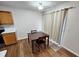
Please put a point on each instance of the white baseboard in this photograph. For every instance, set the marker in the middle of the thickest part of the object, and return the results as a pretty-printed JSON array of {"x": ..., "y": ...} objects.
[
  {"x": 70, "y": 51},
  {"x": 21, "y": 38}
]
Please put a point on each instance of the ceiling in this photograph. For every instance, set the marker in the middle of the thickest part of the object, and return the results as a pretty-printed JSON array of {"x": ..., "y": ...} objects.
[{"x": 32, "y": 5}]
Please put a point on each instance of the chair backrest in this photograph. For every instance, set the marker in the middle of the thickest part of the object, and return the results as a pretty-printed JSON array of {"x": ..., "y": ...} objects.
[
  {"x": 33, "y": 31},
  {"x": 41, "y": 40}
]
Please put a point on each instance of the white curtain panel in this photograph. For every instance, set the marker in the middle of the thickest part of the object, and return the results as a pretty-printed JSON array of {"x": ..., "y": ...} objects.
[
  {"x": 53, "y": 24},
  {"x": 47, "y": 23},
  {"x": 63, "y": 20}
]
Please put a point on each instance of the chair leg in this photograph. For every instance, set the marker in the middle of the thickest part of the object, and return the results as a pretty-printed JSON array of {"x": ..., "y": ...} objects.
[
  {"x": 45, "y": 45},
  {"x": 38, "y": 47}
]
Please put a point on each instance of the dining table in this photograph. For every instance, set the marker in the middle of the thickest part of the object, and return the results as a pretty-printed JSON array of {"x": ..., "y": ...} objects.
[{"x": 32, "y": 37}]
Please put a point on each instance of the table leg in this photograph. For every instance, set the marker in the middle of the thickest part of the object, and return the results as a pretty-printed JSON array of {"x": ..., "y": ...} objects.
[
  {"x": 32, "y": 46},
  {"x": 48, "y": 41}
]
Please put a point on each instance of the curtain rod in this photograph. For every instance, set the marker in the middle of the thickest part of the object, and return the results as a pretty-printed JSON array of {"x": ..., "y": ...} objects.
[
  {"x": 65, "y": 9},
  {"x": 60, "y": 10}
]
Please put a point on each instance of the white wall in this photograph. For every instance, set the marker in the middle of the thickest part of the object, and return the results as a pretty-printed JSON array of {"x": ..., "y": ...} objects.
[
  {"x": 24, "y": 20},
  {"x": 70, "y": 39}
]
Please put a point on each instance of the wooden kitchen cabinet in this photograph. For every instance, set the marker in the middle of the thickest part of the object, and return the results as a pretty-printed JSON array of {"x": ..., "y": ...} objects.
[
  {"x": 9, "y": 38},
  {"x": 6, "y": 18}
]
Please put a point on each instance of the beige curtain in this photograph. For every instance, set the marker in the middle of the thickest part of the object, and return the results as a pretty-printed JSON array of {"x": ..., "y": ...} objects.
[
  {"x": 63, "y": 19},
  {"x": 56, "y": 27},
  {"x": 53, "y": 24},
  {"x": 47, "y": 23}
]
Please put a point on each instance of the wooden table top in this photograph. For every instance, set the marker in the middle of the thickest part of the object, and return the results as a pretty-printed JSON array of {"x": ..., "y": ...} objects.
[{"x": 34, "y": 36}]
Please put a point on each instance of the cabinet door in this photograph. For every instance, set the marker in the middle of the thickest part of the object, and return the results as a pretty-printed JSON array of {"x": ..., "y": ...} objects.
[
  {"x": 6, "y": 18},
  {"x": 0, "y": 17},
  {"x": 9, "y": 38}
]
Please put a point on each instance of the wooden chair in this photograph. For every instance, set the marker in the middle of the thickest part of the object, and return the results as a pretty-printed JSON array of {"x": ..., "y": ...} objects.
[
  {"x": 41, "y": 43},
  {"x": 33, "y": 31}
]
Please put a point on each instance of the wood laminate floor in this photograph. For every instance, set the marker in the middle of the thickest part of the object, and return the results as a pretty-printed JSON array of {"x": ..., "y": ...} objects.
[{"x": 22, "y": 49}]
